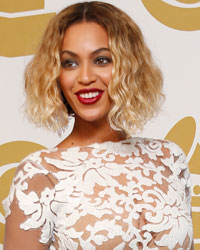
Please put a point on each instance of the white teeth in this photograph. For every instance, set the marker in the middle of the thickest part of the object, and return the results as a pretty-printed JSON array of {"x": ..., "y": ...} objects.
[{"x": 89, "y": 95}]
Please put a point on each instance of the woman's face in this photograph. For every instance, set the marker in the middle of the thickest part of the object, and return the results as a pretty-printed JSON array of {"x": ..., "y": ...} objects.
[{"x": 86, "y": 70}]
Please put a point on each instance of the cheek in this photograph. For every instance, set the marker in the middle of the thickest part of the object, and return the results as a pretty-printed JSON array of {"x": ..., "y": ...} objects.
[
  {"x": 106, "y": 76},
  {"x": 66, "y": 80}
]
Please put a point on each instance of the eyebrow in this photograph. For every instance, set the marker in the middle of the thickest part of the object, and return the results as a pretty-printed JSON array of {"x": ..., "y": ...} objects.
[{"x": 93, "y": 53}]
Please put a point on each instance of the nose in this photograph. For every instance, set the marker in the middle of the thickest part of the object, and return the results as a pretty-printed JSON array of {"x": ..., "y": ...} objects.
[{"x": 86, "y": 74}]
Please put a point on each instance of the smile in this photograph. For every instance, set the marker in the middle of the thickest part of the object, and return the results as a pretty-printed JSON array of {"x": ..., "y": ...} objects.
[{"x": 89, "y": 96}]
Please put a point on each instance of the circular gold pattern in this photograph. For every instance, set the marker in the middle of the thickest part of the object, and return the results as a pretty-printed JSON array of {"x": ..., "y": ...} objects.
[
  {"x": 188, "y": 1},
  {"x": 196, "y": 189},
  {"x": 186, "y": 19}
]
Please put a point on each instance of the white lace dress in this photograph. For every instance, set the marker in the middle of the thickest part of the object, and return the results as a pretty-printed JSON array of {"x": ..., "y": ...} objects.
[{"x": 133, "y": 194}]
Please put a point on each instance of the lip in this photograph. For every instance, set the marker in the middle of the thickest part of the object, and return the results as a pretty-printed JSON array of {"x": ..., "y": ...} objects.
[{"x": 89, "y": 100}]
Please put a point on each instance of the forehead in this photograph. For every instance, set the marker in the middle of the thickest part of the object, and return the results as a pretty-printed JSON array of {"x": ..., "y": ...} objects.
[{"x": 85, "y": 35}]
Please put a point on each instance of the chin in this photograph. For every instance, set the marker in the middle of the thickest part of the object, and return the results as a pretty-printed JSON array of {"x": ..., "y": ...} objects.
[{"x": 93, "y": 117}]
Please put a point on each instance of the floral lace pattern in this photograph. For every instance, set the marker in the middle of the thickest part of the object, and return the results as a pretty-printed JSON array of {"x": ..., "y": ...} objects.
[{"x": 134, "y": 194}]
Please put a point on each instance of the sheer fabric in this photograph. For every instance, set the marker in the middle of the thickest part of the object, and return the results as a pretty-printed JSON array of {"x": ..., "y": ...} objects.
[{"x": 133, "y": 194}]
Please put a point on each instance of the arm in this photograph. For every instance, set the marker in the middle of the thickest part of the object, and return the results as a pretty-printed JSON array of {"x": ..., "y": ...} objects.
[
  {"x": 28, "y": 219},
  {"x": 181, "y": 170},
  {"x": 18, "y": 239}
]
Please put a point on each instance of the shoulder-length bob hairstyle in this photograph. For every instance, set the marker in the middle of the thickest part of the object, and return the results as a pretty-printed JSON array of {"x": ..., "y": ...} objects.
[{"x": 136, "y": 87}]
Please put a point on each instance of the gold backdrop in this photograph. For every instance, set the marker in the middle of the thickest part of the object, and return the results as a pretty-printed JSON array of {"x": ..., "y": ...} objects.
[{"x": 19, "y": 37}]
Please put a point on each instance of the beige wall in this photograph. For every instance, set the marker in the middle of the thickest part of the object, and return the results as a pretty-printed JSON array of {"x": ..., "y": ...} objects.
[{"x": 172, "y": 31}]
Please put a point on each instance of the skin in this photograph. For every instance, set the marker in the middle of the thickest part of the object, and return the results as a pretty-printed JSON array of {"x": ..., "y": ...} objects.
[
  {"x": 86, "y": 63},
  {"x": 16, "y": 239}
]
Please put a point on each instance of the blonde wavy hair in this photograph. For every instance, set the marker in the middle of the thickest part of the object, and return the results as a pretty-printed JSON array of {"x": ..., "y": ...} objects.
[{"x": 136, "y": 87}]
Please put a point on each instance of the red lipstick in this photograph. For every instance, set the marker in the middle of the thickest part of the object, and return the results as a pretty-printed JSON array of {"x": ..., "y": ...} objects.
[{"x": 89, "y": 96}]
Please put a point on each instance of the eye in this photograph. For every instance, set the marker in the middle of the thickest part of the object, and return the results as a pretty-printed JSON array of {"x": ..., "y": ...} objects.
[
  {"x": 102, "y": 60},
  {"x": 69, "y": 64}
]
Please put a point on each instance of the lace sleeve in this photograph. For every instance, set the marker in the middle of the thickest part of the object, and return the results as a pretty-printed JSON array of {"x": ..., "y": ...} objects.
[
  {"x": 186, "y": 177},
  {"x": 182, "y": 183},
  {"x": 181, "y": 170},
  {"x": 29, "y": 221}
]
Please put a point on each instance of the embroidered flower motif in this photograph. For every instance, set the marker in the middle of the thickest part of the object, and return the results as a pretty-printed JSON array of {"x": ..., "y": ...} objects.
[
  {"x": 73, "y": 156},
  {"x": 99, "y": 194},
  {"x": 93, "y": 163},
  {"x": 152, "y": 148},
  {"x": 47, "y": 196},
  {"x": 25, "y": 171},
  {"x": 171, "y": 214},
  {"x": 96, "y": 172},
  {"x": 69, "y": 159},
  {"x": 36, "y": 156},
  {"x": 124, "y": 148}
]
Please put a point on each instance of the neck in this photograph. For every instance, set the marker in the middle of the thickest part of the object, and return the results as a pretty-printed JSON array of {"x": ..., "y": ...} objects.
[{"x": 86, "y": 133}]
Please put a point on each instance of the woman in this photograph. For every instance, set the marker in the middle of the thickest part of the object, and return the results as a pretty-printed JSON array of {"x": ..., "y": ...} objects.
[{"x": 99, "y": 188}]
